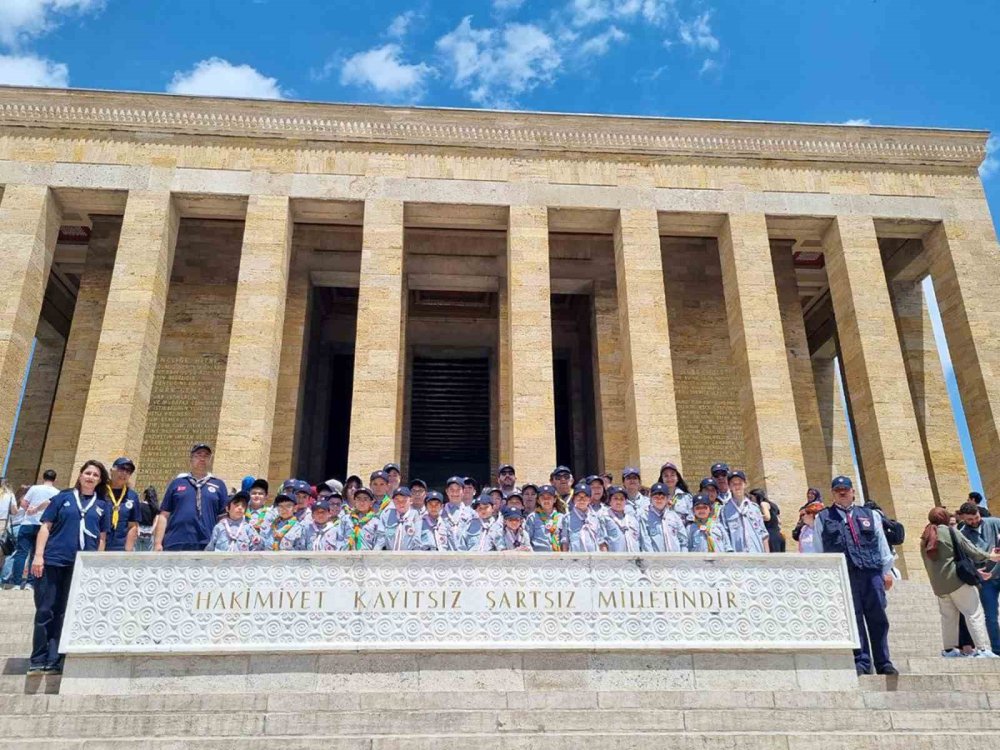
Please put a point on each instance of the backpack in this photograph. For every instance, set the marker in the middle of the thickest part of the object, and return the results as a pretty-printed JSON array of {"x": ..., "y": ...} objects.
[{"x": 894, "y": 531}]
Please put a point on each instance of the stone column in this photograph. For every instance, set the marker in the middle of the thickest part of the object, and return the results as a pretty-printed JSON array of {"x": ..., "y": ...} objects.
[
  {"x": 770, "y": 427},
  {"x": 288, "y": 399},
  {"x": 246, "y": 417},
  {"x": 376, "y": 406},
  {"x": 81, "y": 347},
  {"x": 800, "y": 368},
  {"x": 647, "y": 368},
  {"x": 833, "y": 419},
  {"x": 29, "y": 227},
  {"x": 531, "y": 406},
  {"x": 33, "y": 420},
  {"x": 939, "y": 436},
  {"x": 614, "y": 438},
  {"x": 884, "y": 419},
  {"x": 966, "y": 273},
  {"x": 114, "y": 421}
]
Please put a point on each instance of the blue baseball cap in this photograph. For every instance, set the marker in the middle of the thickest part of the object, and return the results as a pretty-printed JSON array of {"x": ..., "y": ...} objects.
[
  {"x": 321, "y": 505},
  {"x": 405, "y": 491},
  {"x": 842, "y": 482},
  {"x": 124, "y": 462},
  {"x": 581, "y": 488},
  {"x": 738, "y": 473},
  {"x": 616, "y": 489},
  {"x": 719, "y": 468},
  {"x": 378, "y": 475},
  {"x": 560, "y": 470},
  {"x": 460, "y": 481},
  {"x": 433, "y": 496},
  {"x": 659, "y": 489},
  {"x": 512, "y": 513},
  {"x": 700, "y": 500},
  {"x": 547, "y": 489},
  {"x": 630, "y": 471}
]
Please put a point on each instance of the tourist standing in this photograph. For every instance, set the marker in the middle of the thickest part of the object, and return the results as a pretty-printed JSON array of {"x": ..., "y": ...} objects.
[
  {"x": 149, "y": 511},
  {"x": 771, "y": 514},
  {"x": 984, "y": 534},
  {"x": 74, "y": 521},
  {"x": 805, "y": 530},
  {"x": 8, "y": 514},
  {"x": 124, "y": 505},
  {"x": 940, "y": 549},
  {"x": 856, "y": 533},
  {"x": 192, "y": 504},
  {"x": 33, "y": 504}
]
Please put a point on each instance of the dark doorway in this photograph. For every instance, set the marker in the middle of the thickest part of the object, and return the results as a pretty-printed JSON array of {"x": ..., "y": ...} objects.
[
  {"x": 339, "y": 436},
  {"x": 564, "y": 412},
  {"x": 449, "y": 419}
]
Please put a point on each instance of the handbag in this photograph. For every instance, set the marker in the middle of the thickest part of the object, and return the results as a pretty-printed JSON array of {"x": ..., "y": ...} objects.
[
  {"x": 7, "y": 542},
  {"x": 964, "y": 567}
]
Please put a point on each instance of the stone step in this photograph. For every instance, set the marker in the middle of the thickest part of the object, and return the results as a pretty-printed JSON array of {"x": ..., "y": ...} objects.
[
  {"x": 938, "y": 682},
  {"x": 562, "y": 740},
  {"x": 243, "y": 724},
  {"x": 13, "y": 705},
  {"x": 21, "y": 684}
]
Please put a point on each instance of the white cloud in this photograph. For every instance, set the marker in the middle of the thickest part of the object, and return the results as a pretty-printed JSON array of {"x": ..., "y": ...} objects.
[
  {"x": 600, "y": 44},
  {"x": 21, "y": 20},
  {"x": 991, "y": 164},
  {"x": 709, "y": 66},
  {"x": 504, "y": 6},
  {"x": 401, "y": 24},
  {"x": 585, "y": 12},
  {"x": 29, "y": 70},
  {"x": 495, "y": 65},
  {"x": 857, "y": 121},
  {"x": 382, "y": 69},
  {"x": 697, "y": 33},
  {"x": 218, "y": 77}
]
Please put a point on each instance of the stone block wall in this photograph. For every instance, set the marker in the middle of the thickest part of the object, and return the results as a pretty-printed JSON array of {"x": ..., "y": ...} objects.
[
  {"x": 191, "y": 367},
  {"x": 708, "y": 410}
]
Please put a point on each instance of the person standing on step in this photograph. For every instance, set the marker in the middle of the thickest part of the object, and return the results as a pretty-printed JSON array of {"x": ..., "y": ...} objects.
[
  {"x": 582, "y": 529},
  {"x": 680, "y": 495},
  {"x": 124, "y": 502},
  {"x": 455, "y": 515},
  {"x": 74, "y": 521},
  {"x": 235, "y": 533},
  {"x": 660, "y": 528},
  {"x": 400, "y": 523},
  {"x": 434, "y": 536},
  {"x": 984, "y": 534},
  {"x": 192, "y": 504},
  {"x": 322, "y": 533},
  {"x": 720, "y": 473},
  {"x": 621, "y": 527},
  {"x": 506, "y": 479},
  {"x": 511, "y": 537},
  {"x": 392, "y": 470},
  {"x": 418, "y": 495},
  {"x": 632, "y": 482},
  {"x": 545, "y": 522},
  {"x": 361, "y": 530},
  {"x": 705, "y": 533},
  {"x": 283, "y": 533},
  {"x": 941, "y": 548},
  {"x": 856, "y": 533},
  {"x": 33, "y": 505},
  {"x": 742, "y": 518},
  {"x": 562, "y": 479},
  {"x": 379, "y": 482},
  {"x": 475, "y": 534}
]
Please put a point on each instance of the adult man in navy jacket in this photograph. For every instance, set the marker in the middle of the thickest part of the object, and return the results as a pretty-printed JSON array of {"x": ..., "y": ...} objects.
[{"x": 192, "y": 504}]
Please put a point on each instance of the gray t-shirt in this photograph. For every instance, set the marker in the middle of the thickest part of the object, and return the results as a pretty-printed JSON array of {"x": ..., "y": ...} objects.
[{"x": 35, "y": 496}]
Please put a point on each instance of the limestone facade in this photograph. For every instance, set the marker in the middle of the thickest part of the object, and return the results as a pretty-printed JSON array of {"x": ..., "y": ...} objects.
[{"x": 270, "y": 276}]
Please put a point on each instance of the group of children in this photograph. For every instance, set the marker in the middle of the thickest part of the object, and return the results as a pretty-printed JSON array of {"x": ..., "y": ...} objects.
[{"x": 590, "y": 516}]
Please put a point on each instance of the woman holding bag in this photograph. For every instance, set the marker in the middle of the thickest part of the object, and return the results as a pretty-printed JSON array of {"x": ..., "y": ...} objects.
[{"x": 946, "y": 555}]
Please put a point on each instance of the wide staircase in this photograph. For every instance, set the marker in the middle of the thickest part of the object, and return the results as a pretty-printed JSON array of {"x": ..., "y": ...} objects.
[{"x": 933, "y": 703}]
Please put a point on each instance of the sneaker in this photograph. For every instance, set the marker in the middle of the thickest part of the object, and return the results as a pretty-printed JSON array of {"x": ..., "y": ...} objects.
[
  {"x": 52, "y": 669},
  {"x": 36, "y": 669},
  {"x": 952, "y": 653},
  {"x": 888, "y": 669},
  {"x": 8, "y": 586},
  {"x": 985, "y": 653},
  {"x": 27, "y": 587}
]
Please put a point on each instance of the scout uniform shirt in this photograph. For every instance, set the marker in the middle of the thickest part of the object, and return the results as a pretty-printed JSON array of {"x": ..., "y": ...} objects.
[
  {"x": 77, "y": 523},
  {"x": 638, "y": 504},
  {"x": 322, "y": 537},
  {"x": 434, "y": 535},
  {"x": 708, "y": 536},
  {"x": 401, "y": 532},
  {"x": 582, "y": 532},
  {"x": 361, "y": 532},
  {"x": 475, "y": 536},
  {"x": 194, "y": 506},
  {"x": 680, "y": 503},
  {"x": 543, "y": 530},
  {"x": 744, "y": 524},
  {"x": 503, "y": 539},
  {"x": 283, "y": 534},
  {"x": 234, "y": 536},
  {"x": 124, "y": 507},
  {"x": 455, "y": 517},
  {"x": 621, "y": 531},
  {"x": 661, "y": 532}
]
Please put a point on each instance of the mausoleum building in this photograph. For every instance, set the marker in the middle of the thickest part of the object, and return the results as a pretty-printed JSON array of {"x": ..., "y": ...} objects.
[{"x": 318, "y": 289}]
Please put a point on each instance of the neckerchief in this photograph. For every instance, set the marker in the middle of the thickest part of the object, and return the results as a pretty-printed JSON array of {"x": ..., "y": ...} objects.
[
  {"x": 454, "y": 517},
  {"x": 551, "y": 525},
  {"x": 741, "y": 509},
  {"x": 397, "y": 536},
  {"x": 280, "y": 530},
  {"x": 358, "y": 522},
  {"x": 384, "y": 504},
  {"x": 623, "y": 528},
  {"x": 705, "y": 527},
  {"x": 320, "y": 532},
  {"x": 115, "y": 502},
  {"x": 198, "y": 484},
  {"x": 229, "y": 528},
  {"x": 586, "y": 525},
  {"x": 257, "y": 517},
  {"x": 514, "y": 541},
  {"x": 84, "y": 531}
]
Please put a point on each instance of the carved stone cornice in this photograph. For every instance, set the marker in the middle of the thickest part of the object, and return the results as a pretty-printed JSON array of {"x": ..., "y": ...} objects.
[{"x": 482, "y": 130}]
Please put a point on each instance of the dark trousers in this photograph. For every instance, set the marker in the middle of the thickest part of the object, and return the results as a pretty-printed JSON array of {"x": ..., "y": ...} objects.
[
  {"x": 185, "y": 547},
  {"x": 25, "y": 551},
  {"x": 51, "y": 595},
  {"x": 868, "y": 592}
]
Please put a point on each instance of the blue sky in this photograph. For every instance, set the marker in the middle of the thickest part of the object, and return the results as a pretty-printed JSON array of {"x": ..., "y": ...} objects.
[{"x": 884, "y": 62}]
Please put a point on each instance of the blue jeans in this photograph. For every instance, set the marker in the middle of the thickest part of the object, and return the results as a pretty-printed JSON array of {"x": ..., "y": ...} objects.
[
  {"x": 26, "y": 536},
  {"x": 989, "y": 595},
  {"x": 8, "y": 564}
]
